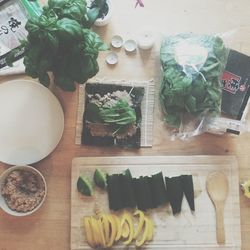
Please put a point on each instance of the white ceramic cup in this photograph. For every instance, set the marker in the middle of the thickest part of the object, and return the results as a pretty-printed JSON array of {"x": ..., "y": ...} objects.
[
  {"x": 4, "y": 175},
  {"x": 130, "y": 45}
]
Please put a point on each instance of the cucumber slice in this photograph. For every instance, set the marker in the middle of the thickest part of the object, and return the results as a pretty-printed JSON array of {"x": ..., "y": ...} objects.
[
  {"x": 100, "y": 178},
  {"x": 84, "y": 186}
]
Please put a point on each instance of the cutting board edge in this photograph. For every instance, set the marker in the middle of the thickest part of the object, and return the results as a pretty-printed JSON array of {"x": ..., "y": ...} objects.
[{"x": 151, "y": 159}]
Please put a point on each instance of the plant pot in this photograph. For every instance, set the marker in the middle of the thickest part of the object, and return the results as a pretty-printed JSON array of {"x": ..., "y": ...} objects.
[{"x": 106, "y": 19}]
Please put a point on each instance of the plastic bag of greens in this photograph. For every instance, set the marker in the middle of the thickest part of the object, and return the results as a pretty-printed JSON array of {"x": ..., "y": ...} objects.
[{"x": 191, "y": 88}]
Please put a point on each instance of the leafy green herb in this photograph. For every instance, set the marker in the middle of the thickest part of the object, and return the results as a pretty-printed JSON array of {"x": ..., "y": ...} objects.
[
  {"x": 59, "y": 41},
  {"x": 121, "y": 113},
  {"x": 119, "y": 116},
  {"x": 191, "y": 82},
  {"x": 98, "y": 9}
]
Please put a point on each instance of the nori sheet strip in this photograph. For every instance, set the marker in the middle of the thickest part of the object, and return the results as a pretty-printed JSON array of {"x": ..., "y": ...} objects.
[
  {"x": 143, "y": 193},
  {"x": 140, "y": 194},
  {"x": 188, "y": 189},
  {"x": 159, "y": 193},
  {"x": 114, "y": 192},
  {"x": 148, "y": 192},
  {"x": 174, "y": 193},
  {"x": 127, "y": 191}
]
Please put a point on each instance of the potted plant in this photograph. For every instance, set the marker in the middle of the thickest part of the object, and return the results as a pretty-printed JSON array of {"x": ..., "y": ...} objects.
[
  {"x": 102, "y": 11},
  {"x": 60, "y": 41}
]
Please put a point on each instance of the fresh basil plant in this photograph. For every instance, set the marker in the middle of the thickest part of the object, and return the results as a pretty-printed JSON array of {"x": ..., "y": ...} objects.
[{"x": 60, "y": 41}]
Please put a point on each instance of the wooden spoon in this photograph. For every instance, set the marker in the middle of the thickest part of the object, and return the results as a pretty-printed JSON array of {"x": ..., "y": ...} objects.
[{"x": 217, "y": 188}]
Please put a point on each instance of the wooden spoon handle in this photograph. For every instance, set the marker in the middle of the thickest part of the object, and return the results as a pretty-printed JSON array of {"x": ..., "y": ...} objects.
[{"x": 220, "y": 232}]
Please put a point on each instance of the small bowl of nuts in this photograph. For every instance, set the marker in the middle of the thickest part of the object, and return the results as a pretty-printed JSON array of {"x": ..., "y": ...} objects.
[{"x": 22, "y": 190}]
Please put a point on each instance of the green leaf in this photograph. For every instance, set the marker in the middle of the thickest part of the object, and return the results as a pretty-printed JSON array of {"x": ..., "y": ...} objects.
[
  {"x": 53, "y": 41},
  {"x": 191, "y": 104},
  {"x": 94, "y": 11},
  {"x": 173, "y": 120},
  {"x": 32, "y": 26},
  {"x": 93, "y": 43},
  {"x": 44, "y": 64},
  {"x": 44, "y": 79},
  {"x": 64, "y": 82},
  {"x": 120, "y": 114},
  {"x": 69, "y": 29},
  {"x": 73, "y": 9},
  {"x": 57, "y": 4},
  {"x": 31, "y": 71}
]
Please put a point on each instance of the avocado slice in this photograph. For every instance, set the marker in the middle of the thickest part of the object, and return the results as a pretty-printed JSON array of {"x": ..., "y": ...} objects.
[
  {"x": 100, "y": 178},
  {"x": 84, "y": 186}
]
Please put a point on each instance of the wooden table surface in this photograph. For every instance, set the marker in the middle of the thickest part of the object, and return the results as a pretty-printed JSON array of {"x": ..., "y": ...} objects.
[{"x": 49, "y": 228}]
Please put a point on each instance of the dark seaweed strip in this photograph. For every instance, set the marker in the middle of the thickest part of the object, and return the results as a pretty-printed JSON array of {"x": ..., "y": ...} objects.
[
  {"x": 140, "y": 193},
  {"x": 128, "y": 195},
  {"x": 153, "y": 196},
  {"x": 114, "y": 192},
  {"x": 158, "y": 190},
  {"x": 188, "y": 189},
  {"x": 148, "y": 192},
  {"x": 174, "y": 193}
]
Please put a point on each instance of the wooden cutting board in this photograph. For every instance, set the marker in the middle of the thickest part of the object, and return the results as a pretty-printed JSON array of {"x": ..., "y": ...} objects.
[{"x": 186, "y": 231}]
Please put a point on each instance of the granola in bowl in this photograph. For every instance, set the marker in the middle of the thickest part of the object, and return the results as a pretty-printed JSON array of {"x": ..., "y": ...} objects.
[{"x": 23, "y": 190}]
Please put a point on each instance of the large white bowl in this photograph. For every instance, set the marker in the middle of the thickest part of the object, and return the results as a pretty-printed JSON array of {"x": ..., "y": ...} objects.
[
  {"x": 31, "y": 122},
  {"x": 4, "y": 175}
]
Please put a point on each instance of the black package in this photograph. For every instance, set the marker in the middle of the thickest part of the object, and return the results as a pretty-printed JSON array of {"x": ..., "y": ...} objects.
[{"x": 236, "y": 81}]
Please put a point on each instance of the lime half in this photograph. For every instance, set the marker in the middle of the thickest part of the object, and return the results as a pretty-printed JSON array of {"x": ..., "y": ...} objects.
[
  {"x": 84, "y": 185},
  {"x": 100, "y": 178}
]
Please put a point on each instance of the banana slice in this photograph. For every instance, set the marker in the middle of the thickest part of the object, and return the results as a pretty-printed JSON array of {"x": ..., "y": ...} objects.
[
  {"x": 119, "y": 228},
  {"x": 140, "y": 223},
  {"x": 106, "y": 227},
  {"x": 88, "y": 231},
  {"x": 140, "y": 242},
  {"x": 95, "y": 231},
  {"x": 127, "y": 219},
  {"x": 113, "y": 227},
  {"x": 151, "y": 229},
  {"x": 101, "y": 233}
]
